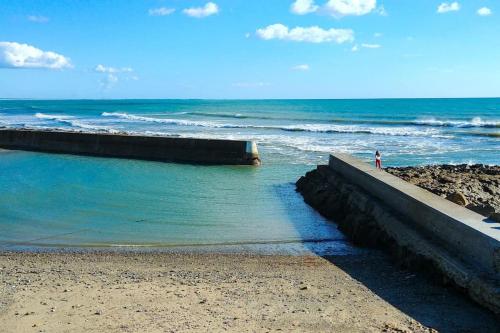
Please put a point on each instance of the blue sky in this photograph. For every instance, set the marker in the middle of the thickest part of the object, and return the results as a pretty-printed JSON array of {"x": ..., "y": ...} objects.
[{"x": 249, "y": 49}]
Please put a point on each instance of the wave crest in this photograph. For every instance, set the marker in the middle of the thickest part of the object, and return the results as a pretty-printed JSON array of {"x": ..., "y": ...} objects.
[
  {"x": 431, "y": 121},
  {"x": 474, "y": 122},
  {"x": 72, "y": 121},
  {"x": 316, "y": 128}
]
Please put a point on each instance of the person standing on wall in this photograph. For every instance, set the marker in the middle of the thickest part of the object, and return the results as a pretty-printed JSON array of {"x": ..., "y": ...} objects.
[{"x": 378, "y": 160}]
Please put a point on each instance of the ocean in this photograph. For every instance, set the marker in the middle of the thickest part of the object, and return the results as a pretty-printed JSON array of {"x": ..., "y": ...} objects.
[{"x": 53, "y": 201}]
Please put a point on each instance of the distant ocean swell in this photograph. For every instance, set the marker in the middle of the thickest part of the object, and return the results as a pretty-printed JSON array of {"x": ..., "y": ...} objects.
[
  {"x": 316, "y": 128},
  {"x": 431, "y": 121},
  {"x": 411, "y": 128},
  {"x": 289, "y": 132}
]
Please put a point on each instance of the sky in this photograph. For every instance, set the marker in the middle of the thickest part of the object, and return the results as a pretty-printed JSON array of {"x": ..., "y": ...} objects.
[{"x": 249, "y": 49}]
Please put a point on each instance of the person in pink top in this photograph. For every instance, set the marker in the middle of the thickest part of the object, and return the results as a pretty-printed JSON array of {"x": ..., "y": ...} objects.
[{"x": 378, "y": 160}]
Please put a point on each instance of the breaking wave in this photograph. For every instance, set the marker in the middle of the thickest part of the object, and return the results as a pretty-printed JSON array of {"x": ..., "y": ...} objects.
[
  {"x": 316, "y": 128},
  {"x": 474, "y": 122},
  {"x": 431, "y": 122},
  {"x": 72, "y": 121}
]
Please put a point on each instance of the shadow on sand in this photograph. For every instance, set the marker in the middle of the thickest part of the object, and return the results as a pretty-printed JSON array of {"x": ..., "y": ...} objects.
[{"x": 416, "y": 294}]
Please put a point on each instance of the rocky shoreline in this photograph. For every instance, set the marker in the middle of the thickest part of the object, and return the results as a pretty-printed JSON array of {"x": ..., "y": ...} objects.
[{"x": 477, "y": 187}]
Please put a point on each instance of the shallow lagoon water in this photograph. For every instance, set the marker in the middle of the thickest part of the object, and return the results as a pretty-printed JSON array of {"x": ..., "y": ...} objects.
[
  {"x": 49, "y": 200},
  {"x": 63, "y": 200}
]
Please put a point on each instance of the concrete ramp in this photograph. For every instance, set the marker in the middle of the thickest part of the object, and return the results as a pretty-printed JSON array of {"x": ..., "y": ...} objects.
[{"x": 155, "y": 148}]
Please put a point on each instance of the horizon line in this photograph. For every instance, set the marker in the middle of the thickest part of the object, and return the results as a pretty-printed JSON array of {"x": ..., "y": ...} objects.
[{"x": 235, "y": 99}]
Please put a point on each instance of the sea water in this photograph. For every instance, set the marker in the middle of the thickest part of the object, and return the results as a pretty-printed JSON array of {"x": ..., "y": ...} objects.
[{"x": 49, "y": 200}]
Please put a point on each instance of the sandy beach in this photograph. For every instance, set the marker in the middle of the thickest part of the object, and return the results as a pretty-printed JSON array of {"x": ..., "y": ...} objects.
[{"x": 160, "y": 292}]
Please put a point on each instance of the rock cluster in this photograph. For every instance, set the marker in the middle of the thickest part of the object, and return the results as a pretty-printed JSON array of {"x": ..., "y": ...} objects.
[
  {"x": 476, "y": 187},
  {"x": 351, "y": 209}
]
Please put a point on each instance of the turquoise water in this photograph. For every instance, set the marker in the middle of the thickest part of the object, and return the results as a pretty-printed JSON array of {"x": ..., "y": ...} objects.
[{"x": 61, "y": 200}]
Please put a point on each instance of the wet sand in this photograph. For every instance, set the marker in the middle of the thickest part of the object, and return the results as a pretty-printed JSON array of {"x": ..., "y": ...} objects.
[{"x": 166, "y": 292}]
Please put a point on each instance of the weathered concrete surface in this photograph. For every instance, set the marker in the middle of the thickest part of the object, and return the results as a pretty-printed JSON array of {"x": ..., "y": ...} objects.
[
  {"x": 168, "y": 149},
  {"x": 421, "y": 229}
]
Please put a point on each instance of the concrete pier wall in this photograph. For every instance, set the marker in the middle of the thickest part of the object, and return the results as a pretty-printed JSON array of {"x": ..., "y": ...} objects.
[
  {"x": 460, "y": 230},
  {"x": 168, "y": 149},
  {"x": 421, "y": 229}
]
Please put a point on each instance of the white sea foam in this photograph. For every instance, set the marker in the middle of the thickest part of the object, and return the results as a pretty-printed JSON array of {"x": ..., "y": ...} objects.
[
  {"x": 428, "y": 121},
  {"x": 166, "y": 121},
  {"x": 315, "y": 149},
  {"x": 474, "y": 122},
  {"x": 316, "y": 128},
  {"x": 73, "y": 122},
  {"x": 51, "y": 117},
  {"x": 393, "y": 131},
  {"x": 16, "y": 121}
]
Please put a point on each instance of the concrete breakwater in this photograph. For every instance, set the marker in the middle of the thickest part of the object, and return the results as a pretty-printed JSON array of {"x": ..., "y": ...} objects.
[
  {"x": 168, "y": 149},
  {"x": 421, "y": 229}
]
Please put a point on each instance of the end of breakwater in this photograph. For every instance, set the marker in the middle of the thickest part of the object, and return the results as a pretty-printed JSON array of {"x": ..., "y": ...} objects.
[{"x": 422, "y": 230}]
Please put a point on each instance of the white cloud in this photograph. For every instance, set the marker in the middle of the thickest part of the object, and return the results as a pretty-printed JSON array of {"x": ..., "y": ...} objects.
[
  {"x": 339, "y": 8},
  {"x": 484, "y": 11},
  {"x": 381, "y": 11},
  {"x": 162, "y": 11},
  {"x": 310, "y": 34},
  {"x": 108, "y": 81},
  {"x": 356, "y": 47},
  {"x": 446, "y": 7},
  {"x": 16, "y": 55},
  {"x": 303, "y": 67},
  {"x": 248, "y": 35},
  {"x": 377, "y": 35},
  {"x": 112, "y": 70},
  {"x": 371, "y": 46},
  {"x": 302, "y": 7},
  {"x": 38, "y": 19},
  {"x": 113, "y": 75},
  {"x": 209, "y": 9},
  {"x": 274, "y": 31}
]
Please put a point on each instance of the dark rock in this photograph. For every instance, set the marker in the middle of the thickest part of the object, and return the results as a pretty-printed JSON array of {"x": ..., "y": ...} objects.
[
  {"x": 485, "y": 210},
  {"x": 458, "y": 198},
  {"x": 479, "y": 184},
  {"x": 495, "y": 216},
  {"x": 447, "y": 179}
]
